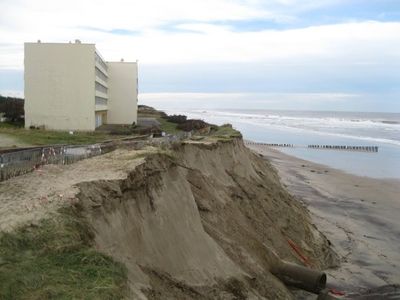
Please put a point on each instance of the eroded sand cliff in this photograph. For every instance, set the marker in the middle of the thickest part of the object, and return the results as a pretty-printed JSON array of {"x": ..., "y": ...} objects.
[
  {"x": 199, "y": 220},
  {"x": 202, "y": 221}
]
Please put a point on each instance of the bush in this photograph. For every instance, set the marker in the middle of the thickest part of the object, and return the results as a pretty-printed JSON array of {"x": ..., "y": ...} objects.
[
  {"x": 191, "y": 125},
  {"x": 147, "y": 130},
  {"x": 178, "y": 119}
]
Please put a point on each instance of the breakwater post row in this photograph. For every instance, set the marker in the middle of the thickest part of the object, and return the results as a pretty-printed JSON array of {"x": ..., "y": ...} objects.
[
  {"x": 349, "y": 148},
  {"x": 269, "y": 145},
  {"x": 324, "y": 147}
]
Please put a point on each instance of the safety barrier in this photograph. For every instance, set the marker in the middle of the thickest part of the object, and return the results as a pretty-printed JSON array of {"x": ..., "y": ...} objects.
[
  {"x": 15, "y": 162},
  {"x": 21, "y": 161}
]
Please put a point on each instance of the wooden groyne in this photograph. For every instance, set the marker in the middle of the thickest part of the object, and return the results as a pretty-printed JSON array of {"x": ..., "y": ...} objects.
[
  {"x": 348, "y": 148},
  {"x": 269, "y": 145},
  {"x": 322, "y": 147}
]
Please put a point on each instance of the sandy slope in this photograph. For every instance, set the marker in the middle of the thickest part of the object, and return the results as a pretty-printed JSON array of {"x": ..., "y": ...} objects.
[
  {"x": 359, "y": 215},
  {"x": 202, "y": 219},
  {"x": 29, "y": 197},
  {"x": 200, "y": 222}
]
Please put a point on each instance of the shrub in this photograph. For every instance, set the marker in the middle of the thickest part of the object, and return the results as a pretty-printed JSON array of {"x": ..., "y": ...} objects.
[
  {"x": 192, "y": 124},
  {"x": 178, "y": 119}
]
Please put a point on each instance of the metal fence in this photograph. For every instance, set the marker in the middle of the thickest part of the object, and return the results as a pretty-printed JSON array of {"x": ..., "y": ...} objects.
[
  {"x": 15, "y": 162},
  {"x": 18, "y": 162}
]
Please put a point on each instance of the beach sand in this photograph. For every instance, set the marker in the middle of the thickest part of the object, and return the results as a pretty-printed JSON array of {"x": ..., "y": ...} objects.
[{"x": 359, "y": 215}]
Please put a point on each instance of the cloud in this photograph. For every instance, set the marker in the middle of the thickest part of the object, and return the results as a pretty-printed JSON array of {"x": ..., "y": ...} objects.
[
  {"x": 222, "y": 45},
  {"x": 188, "y": 31},
  {"x": 366, "y": 42},
  {"x": 270, "y": 101},
  {"x": 117, "y": 31},
  {"x": 201, "y": 101},
  {"x": 12, "y": 93}
]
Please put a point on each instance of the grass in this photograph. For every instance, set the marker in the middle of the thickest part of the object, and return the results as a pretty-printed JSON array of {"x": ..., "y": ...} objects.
[
  {"x": 168, "y": 127},
  {"x": 56, "y": 260},
  {"x": 225, "y": 132},
  {"x": 10, "y": 125},
  {"x": 165, "y": 125},
  {"x": 47, "y": 137}
]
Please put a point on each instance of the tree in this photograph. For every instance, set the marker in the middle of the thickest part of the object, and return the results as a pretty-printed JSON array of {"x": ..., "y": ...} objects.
[{"x": 13, "y": 108}]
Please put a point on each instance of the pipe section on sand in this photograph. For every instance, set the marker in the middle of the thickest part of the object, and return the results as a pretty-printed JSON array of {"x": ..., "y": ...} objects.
[{"x": 303, "y": 278}]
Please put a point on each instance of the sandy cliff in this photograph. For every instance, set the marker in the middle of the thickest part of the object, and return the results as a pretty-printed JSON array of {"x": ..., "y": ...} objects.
[{"x": 201, "y": 221}]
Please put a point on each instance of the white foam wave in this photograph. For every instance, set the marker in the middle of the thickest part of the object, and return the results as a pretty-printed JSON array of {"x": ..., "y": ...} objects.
[{"x": 345, "y": 128}]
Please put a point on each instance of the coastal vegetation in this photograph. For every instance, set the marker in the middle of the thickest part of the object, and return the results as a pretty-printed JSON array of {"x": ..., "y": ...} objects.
[
  {"x": 49, "y": 137},
  {"x": 173, "y": 124},
  {"x": 12, "y": 109},
  {"x": 225, "y": 132},
  {"x": 166, "y": 124},
  {"x": 54, "y": 259}
]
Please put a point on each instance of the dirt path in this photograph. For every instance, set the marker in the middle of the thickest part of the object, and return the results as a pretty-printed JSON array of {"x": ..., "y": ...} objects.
[
  {"x": 359, "y": 215},
  {"x": 29, "y": 197}
]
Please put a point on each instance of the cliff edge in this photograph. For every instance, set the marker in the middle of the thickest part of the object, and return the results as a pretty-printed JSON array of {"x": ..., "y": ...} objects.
[{"x": 202, "y": 219}]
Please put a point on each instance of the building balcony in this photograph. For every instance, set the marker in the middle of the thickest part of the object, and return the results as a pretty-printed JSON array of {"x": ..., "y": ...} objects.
[
  {"x": 101, "y": 81},
  {"x": 99, "y": 65},
  {"x": 100, "y": 74},
  {"x": 101, "y": 88},
  {"x": 100, "y": 94},
  {"x": 100, "y": 104},
  {"x": 100, "y": 107}
]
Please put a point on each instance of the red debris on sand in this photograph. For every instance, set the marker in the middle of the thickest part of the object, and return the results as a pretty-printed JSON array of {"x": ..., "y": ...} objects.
[
  {"x": 336, "y": 292},
  {"x": 296, "y": 249}
]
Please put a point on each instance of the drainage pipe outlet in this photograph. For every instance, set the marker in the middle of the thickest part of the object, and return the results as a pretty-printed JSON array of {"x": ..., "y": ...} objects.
[{"x": 303, "y": 278}]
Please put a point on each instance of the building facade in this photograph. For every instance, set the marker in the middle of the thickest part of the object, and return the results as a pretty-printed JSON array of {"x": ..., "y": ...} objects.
[{"x": 69, "y": 86}]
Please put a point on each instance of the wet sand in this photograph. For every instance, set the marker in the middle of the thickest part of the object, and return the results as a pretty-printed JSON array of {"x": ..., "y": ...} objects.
[{"x": 359, "y": 215}]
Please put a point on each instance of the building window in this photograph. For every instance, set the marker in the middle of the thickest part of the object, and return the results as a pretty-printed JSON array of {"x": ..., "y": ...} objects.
[
  {"x": 101, "y": 101},
  {"x": 101, "y": 75},
  {"x": 101, "y": 88},
  {"x": 100, "y": 61}
]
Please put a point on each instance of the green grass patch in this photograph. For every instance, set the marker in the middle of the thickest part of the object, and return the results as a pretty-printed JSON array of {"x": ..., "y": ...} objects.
[
  {"x": 11, "y": 125},
  {"x": 168, "y": 127},
  {"x": 225, "y": 132},
  {"x": 47, "y": 137},
  {"x": 55, "y": 260}
]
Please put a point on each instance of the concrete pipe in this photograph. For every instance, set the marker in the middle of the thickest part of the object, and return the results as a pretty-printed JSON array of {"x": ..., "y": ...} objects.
[{"x": 303, "y": 278}]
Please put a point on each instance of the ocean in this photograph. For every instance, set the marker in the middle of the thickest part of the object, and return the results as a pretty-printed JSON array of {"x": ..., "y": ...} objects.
[{"x": 302, "y": 128}]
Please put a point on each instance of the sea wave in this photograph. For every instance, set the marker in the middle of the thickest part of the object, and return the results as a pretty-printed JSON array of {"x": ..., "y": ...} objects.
[
  {"x": 320, "y": 121},
  {"x": 306, "y": 121},
  {"x": 377, "y": 131}
]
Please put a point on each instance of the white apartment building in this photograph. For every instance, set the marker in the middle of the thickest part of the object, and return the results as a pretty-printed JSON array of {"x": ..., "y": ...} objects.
[{"x": 69, "y": 86}]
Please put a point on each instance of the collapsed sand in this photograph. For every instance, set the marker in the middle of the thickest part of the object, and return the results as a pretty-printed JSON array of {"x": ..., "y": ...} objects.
[{"x": 199, "y": 222}]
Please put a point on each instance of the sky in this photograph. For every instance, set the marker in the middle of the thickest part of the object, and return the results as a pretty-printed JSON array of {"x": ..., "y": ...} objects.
[{"x": 271, "y": 54}]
